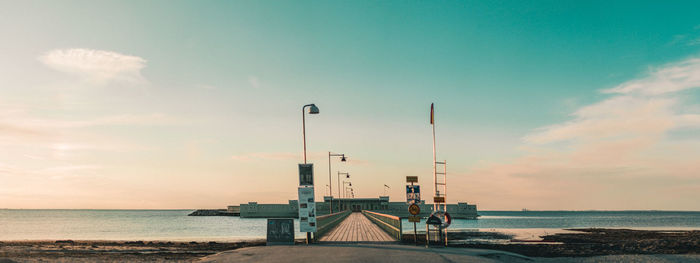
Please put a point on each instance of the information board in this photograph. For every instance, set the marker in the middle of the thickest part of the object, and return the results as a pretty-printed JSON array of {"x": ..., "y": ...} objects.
[
  {"x": 306, "y": 174},
  {"x": 280, "y": 231},
  {"x": 307, "y": 209},
  {"x": 412, "y": 194}
]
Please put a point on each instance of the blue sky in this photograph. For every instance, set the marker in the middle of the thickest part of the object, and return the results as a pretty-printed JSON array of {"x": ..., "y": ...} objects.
[{"x": 180, "y": 104}]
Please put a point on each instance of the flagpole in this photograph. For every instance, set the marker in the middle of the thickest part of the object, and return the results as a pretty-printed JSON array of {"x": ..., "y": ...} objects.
[{"x": 432, "y": 122}]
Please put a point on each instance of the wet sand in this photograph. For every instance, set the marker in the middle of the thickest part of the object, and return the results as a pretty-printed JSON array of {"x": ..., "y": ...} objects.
[
  {"x": 586, "y": 242},
  {"x": 113, "y": 251}
]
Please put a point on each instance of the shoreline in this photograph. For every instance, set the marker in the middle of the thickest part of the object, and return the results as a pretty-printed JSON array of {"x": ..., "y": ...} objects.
[
  {"x": 578, "y": 243},
  {"x": 588, "y": 242},
  {"x": 524, "y": 234}
]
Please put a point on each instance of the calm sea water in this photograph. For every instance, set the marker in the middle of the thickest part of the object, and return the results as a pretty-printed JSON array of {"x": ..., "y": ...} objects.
[
  {"x": 576, "y": 219},
  {"x": 177, "y": 226}
]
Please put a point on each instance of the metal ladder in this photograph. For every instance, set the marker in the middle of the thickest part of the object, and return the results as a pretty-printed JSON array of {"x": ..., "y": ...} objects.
[
  {"x": 439, "y": 235},
  {"x": 441, "y": 186}
]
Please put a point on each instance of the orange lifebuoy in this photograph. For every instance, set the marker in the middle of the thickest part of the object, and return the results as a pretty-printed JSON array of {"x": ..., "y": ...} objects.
[{"x": 448, "y": 220}]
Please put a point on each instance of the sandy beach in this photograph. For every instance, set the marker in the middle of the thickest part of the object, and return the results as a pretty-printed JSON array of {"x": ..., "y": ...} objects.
[{"x": 113, "y": 251}]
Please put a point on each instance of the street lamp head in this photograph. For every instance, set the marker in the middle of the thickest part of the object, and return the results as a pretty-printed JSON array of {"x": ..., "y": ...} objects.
[
  {"x": 342, "y": 159},
  {"x": 313, "y": 109}
]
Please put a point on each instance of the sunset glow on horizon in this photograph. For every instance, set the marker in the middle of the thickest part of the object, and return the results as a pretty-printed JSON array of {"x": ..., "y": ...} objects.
[{"x": 175, "y": 104}]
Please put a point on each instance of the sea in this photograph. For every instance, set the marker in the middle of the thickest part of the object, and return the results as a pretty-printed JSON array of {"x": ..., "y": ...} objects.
[{"x": 175, "y": 225}]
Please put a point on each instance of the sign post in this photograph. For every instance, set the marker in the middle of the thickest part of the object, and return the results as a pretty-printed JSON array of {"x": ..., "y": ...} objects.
[
  {"x": 413, "y": 199},
  {"x": 307, "y": 204},
  {"x": 280, "y": 231}
]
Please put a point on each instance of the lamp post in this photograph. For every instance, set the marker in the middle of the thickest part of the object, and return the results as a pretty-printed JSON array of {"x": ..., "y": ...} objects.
[
  {"x": 347, "y": 175},
  {"x": 345, "y": 190},
  {"x": 342, "y": 159},
  {"x": 385, "y": 187},
  {"x": 312, "y": 110}
]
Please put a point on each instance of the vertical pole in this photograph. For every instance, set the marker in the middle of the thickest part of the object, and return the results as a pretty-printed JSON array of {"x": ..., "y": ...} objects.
[
  {"x": 303, "y": 132},
  {"x": 435, "y": 187},
  {"x": 330, "y": 182},
  {"x": 444, "y": 178},
  {"x": 415, "y": 234},
  {"x": 427, "y": 235}
]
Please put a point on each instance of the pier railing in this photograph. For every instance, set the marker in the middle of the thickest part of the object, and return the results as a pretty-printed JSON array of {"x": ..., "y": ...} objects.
[
  {"x": 388, "y": 223},
  {"x": 326, "y": 223}
]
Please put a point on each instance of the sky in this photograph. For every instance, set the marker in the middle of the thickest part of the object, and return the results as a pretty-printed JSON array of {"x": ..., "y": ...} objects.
[{"x": 544, "y": 105}]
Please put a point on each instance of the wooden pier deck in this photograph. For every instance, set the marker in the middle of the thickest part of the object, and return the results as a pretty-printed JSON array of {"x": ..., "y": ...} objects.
[{"x": 357, "y": 228}]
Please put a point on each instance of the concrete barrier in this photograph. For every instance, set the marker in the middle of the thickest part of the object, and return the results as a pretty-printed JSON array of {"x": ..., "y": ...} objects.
[
  {"x": 326, "y": 223},
  {"x": 388, "y": 223}
]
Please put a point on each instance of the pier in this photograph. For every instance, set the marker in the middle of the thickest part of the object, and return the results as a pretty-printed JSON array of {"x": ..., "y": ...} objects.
[{"x": 357, "y": 228}]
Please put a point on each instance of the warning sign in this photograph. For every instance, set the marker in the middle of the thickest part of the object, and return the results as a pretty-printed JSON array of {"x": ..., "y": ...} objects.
[{"x": 414, "y": 209}]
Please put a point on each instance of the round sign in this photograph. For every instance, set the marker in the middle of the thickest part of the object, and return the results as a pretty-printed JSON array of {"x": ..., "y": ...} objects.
[{"x": 414, "y": 209}]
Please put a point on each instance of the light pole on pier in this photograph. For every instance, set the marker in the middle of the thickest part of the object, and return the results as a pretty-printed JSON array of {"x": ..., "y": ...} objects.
[
  {"x": 347, "y": 175},
  {"x": 345, "y": 189},
  {"x": 312, "y": 110},
  {"x": 342, "y": 159}
]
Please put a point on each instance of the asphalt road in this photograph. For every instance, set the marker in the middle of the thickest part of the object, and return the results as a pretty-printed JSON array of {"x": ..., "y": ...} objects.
[{"x": 362, "y": 253}]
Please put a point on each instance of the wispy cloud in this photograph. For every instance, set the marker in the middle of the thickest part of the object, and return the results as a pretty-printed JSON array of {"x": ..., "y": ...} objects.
[
  {"x": 98, "y": 66},
  {"x": 23, "y": 123},
  {"x": 694, "y": 42},
  {"x": 670, "y": 78},
  {"x": 45, "y": 137},
  {"x": 620, "y": 147}
]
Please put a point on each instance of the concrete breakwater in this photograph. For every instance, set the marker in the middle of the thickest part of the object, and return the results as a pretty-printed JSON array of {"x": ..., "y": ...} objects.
[{"x": 213, "y": 212}]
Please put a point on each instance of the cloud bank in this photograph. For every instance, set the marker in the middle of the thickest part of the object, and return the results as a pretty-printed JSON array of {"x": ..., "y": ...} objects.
[{"x": 95, "y": 65}]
